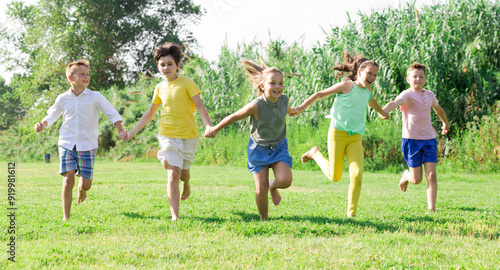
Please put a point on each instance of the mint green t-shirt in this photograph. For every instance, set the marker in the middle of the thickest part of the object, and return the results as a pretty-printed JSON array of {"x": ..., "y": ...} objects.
[{"x": 348, "y": 112}]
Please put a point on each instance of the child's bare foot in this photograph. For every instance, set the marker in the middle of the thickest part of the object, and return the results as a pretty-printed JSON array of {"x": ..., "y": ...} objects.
[
  {"x": 82, "y": 195},
  {"x": 65, "y": 218},
  {"x": 275, "y": 195},
  {"x": 310, "y": 154},
  {"x": 403, "y": 183},
  {"x": 186, "y": 190}
]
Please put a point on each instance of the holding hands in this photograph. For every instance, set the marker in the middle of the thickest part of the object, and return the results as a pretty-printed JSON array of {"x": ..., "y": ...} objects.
[
  {"x": 210, "y": 132},
  {"x": 445, "y": 128},
  {"x": 384, "y": 115},
  {"x": 123, "y": 135},
  {"x": 295, "y": 111}
]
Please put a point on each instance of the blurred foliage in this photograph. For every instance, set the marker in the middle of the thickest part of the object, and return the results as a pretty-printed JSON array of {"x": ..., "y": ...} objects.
[{"x": 10, "y": 109}]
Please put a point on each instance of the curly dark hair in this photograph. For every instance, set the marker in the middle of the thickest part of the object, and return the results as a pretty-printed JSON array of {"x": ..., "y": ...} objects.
[{"x": 166, "y": 49}]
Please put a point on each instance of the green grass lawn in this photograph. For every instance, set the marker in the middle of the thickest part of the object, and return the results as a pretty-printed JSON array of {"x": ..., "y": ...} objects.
[{"x": 125, "y": 222}]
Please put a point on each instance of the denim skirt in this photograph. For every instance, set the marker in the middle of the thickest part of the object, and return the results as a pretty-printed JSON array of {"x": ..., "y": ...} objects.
[{"x": 261, "y": 156}]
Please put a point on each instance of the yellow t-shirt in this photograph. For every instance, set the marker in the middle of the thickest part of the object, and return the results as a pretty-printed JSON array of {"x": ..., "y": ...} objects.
[{"x": 177, "y": 110}]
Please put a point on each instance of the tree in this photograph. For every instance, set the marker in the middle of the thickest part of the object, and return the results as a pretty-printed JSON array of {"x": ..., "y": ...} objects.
[
  {"x": 116, "y": 36},
  {"x": 10, "y": 110}
]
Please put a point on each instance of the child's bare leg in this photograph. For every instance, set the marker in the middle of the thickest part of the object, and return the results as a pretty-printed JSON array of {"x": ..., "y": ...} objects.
[
  {"x": 67, "y": 193},
  {"x": 83, "y": 186},
  {"x": 283, "y": 179},
  {"x": 430, "y": 174},
  {"x": 261, "y": 188},
  {"x": 414, "y": 176},
  {"x": 186, "y": 187},
  {"x": 174, "y": 175},
  {"x": 310, "y": 154}
]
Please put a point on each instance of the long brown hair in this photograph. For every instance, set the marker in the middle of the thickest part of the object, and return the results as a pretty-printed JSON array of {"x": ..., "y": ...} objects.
[
  {"x": 353, "y": 65},
  {"x": 258, "y": 74}
]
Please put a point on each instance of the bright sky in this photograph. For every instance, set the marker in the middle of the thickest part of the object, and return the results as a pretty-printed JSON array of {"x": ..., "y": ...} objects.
[{"x": 237, "y": 21}]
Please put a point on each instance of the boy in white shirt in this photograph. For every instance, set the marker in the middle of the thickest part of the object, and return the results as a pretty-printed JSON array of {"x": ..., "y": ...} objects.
[{"x": 78, "y": 133}]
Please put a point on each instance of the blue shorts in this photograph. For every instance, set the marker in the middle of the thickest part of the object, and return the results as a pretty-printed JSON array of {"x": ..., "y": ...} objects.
[
  {"x": 417, "y": 152},
  {"x": 80, "y": 161},
  {"x": 260, "y": 156}
]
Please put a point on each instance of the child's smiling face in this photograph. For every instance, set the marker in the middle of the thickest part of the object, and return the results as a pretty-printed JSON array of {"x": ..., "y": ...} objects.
[
  {"x": 273, "y": 86},
  {"x": 368, "y": 75},
  {"x": 80, "y": 78},
  {"x": 416, "y": 79}
]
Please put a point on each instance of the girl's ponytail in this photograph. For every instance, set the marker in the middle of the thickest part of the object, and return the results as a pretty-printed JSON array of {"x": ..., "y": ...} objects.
[{"x": 352, "y": 65}]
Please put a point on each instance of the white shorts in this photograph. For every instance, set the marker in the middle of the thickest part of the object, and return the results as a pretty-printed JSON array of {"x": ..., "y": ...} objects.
[{"x": 177, "y": 152}]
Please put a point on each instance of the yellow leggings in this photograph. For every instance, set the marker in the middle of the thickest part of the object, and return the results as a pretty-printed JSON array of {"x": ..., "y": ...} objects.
[{"x": 340, "y": 144}]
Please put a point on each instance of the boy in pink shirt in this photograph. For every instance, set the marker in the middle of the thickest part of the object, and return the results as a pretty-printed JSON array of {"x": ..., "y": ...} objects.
[{"x": 419, "y": 143}]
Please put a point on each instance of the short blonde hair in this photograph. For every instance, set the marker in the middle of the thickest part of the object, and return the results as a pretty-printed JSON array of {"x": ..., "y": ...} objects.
[{"x": 70, "y": 68}]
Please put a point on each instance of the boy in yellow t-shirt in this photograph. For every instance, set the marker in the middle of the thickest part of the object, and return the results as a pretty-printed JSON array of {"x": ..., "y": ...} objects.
[{"x": 178, "y": 134}]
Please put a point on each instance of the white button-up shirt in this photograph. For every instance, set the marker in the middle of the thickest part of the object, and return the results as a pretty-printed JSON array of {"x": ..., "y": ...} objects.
[{"x": 80, "y": 118}]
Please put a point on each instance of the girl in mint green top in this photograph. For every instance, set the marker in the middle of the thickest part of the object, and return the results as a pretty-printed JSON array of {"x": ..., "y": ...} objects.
[{"x": 348, "y": 114}]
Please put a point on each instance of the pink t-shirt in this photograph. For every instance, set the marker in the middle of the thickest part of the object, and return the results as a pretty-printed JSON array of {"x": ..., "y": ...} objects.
[{"x": 417, "y": 124}]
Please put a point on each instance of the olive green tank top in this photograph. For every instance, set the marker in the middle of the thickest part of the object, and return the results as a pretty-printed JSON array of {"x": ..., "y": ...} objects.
[{"x": 270, "y": 129}]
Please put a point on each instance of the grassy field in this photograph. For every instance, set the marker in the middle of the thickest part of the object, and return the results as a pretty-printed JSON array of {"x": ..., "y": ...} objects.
[{"x": 125, "y": 222}]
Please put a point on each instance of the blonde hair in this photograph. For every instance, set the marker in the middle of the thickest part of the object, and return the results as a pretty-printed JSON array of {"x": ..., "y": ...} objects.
[
  {"x": 70, "y": 68},
  {"x": 258, "y": 74}
]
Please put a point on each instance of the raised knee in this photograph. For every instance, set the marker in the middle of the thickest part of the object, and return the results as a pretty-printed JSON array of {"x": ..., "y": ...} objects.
[
  {"x": 415, "y": 181},
  {"x": 284, "y": 183},
  {"x": 335, "y": 177},
  {"x": 85, "y": 187}
]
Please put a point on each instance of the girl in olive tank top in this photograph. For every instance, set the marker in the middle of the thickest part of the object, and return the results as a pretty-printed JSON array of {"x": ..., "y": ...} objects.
[
  {"x": 348, "y": 115},
  {"x": 267, "y": 146}
]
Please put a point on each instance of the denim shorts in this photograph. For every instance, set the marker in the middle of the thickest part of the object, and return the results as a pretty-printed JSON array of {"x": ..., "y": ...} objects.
[
  {"x": 416, "y": 152},
  {"x": 260, "y": 156},
  {"x": 80, "y": 161}
]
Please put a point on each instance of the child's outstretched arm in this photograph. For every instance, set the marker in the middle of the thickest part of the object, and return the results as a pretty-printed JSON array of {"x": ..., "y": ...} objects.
[
  {"x": 202, "y": 110},
  {"x": 389, "y": 107},
  {"x": 52, "y": 114},
  {"x": 442, "y": 115},
  {"x": 249, "y": 109},
  {"x": 374, "y": 105},
  {"x": 148, "y": 116},
  {"x": 341, "y": 87}
]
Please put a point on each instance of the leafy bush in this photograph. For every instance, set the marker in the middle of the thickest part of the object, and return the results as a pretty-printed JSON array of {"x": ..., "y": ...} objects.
[{"x": 478, "y": 147}]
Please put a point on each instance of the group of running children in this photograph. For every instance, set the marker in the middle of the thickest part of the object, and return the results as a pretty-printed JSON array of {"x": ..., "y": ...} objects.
[{"x": 267, "y": 147}]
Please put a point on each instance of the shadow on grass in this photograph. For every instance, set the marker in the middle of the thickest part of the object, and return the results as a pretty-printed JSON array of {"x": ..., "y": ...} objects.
[
  {"x": 135, "y": 215},
  {"x": 471, "y": 209},
  {"x": 306, "y": 225}
]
